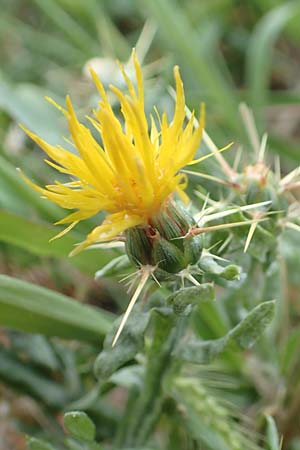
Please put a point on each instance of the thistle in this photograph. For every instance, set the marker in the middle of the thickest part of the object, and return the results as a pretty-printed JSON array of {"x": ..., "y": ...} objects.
[{"x": 134, "y": 175}]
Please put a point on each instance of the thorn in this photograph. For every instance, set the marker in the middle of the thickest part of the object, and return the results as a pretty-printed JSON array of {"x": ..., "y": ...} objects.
[
  {"x": 225, "y": 243},
  {"x": 210, "y": 177},
  {"x": 209, "y": 155},
  {"x": 212, "y": 246},
  {"x": 290, "y": 176},
  {"x": 222, "y": 161},
  {"x": 192, "y": 279},
  {"x": 130, "y": 275},
  {"x": 211, "y": 255},
  {"x": 205, "y": 202},
  {"x": 205, "y": 198},
  {"x": 195, "y": 231},
  {"x": 237, "y": 158},
  {"x": 290, "y": 186},
  {"x": 250, "y": 235},
  {"x": 222, "y": 214},
  {"x": 182, "y": 281},
  {"x": 262, "y": 147},
  {"x": 155, "y": 279},
  {"x": 186, "y": 275},
  {"x": 145, "y": 40},
  {"x": 142, "y": 282},
  {"x": 250, "y": 126},
  {"x": 294, "y": 211},
  {"x": 198, "y": 217},
  {"x": 277, "y": 168},
  {"x": 292, "y": 226}
]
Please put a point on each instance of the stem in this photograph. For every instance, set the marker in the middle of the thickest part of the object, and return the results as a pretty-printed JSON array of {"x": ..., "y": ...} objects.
[
  {"x": 146, "y": 413},
  {"x": 127, "y": 417}
]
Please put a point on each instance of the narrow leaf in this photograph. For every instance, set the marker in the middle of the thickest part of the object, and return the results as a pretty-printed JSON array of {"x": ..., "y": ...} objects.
[
  {"x": 34, "y": 237},
  {"x": 34, "y": 309},
  {"x": 184, "y": 299},
  {"x": 260, "y": 51},
  {"x": 253, "y": 325},
  {"x": 244, "y": 335},
  {"x": 16, "y": 373},
  {"x": 273, "y": 441},
  {"x": 129, "y": 343}
]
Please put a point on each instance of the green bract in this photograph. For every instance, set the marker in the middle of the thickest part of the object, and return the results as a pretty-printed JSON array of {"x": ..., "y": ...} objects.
[{"x": 165, "y": 243}]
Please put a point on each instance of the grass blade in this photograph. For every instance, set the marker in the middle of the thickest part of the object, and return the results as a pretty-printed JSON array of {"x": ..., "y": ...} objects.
[{"x": 34, "y": 309}]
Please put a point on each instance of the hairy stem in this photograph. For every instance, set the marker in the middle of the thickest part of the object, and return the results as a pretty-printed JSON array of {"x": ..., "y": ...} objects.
[{"x": 146, "y": 413}]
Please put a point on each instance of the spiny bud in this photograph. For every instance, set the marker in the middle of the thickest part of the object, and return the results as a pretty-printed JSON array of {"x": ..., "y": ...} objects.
[
  {"x": 260, "y": 184},
  {"x": 164, "y": 242},
  {"x": 168, "y": 256},
  {"x": 138, "y": 246},
  {"x": 193, "y": 246},
  {"x": 172, "y": 223}
]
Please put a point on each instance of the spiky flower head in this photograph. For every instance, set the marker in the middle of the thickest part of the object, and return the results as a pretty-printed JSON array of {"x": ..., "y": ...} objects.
[{"x": 132, "y": 171}]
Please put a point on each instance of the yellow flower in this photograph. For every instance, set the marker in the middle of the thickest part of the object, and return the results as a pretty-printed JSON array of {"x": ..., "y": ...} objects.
[{"x": 134, "y": 169}]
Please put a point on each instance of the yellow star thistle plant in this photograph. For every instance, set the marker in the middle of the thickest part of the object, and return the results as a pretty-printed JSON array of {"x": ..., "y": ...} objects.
[{"x": 135, "y": 170}]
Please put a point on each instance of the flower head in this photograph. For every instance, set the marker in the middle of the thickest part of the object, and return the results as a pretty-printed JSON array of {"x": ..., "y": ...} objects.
[{"x": 132, "y": 171}]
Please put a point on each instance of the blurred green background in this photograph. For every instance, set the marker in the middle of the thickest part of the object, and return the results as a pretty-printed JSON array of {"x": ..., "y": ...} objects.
[{"x": 228, "y": 51}]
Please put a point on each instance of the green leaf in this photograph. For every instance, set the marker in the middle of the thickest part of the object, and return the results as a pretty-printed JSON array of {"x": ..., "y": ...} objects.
[
  {"x": 128, "y": 376},
  {"x": 72, "y": 29},
  {"x": 260, "y": 51},
  {"x": 273, "y": 441},
  {"x": 41, "y": 43},
  {"x": 41, "y": 117},
  {"x": 209, "y": 265},
  {"x": 211, "y": 320},
  {"x": 212, "y": 439},
  {"x": 120, "y": 264},
  {"x": 34, "y": 237},
  {"x": 129, "y": 343},
  {"x": 201, "y": 352},
  {"x": 184, "y": 299},
  {"x": 244, "y": 335},
  {"x": 253, "y": 325},
  {"x": 206, "y": 417},
  {"x": 38, "y": 444},
  {"x": 34, "y": 309},
  {"x": 23, "y": 377},
  {"x": 73, "y": 444},
  {"x": 36, "y": 347},
  {"x": 23, "y": 197},
  {"x": 80, "y": 425},
  {"x": 289, "y": 354}
]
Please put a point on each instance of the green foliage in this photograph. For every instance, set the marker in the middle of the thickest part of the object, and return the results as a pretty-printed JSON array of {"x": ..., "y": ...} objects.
[
  {"x": 244, "y": 335},
  {"x": 206, "y": 354},
  {"x": 38, "y": 444},
  {"x": 273, "y": 440},
  {"x": 18, "y": 231},
  {"x": 28, "y": 379},
  {"x": 111, "y": 358},
  {"x": 80, "y": 425},
  {"x": 185, "y": 299},
  {"x": 260, "y": 51},
  {"x": 27, "y": 307}
]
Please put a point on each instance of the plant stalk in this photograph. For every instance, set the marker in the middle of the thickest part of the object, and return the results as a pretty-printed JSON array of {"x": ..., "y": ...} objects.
[{"x": 147, "y": 410}]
